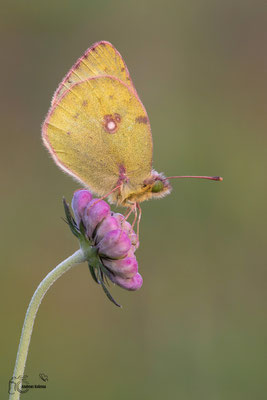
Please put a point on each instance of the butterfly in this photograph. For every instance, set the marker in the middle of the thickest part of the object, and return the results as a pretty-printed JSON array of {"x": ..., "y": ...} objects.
[{"x": 97, "y": 130}]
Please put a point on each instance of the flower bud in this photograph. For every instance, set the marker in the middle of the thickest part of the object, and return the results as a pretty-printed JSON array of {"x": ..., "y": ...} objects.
[
  {"x": 79, "y": 202},
  {"x": 119, "y": 217},
  {"x": 115, "y": 244},
  {"x": 133, "y": 283},
  {"x": 127, "y": 227},
  {"x": 108, "y": 224},
  {"x": 134, "y": 239},
  {"x": 94, "y": 213},
  {"x": 125, "y": 267}
]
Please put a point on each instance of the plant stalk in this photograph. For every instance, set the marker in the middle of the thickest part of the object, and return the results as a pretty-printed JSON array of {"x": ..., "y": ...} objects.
[{"x": 36, "y": 300}]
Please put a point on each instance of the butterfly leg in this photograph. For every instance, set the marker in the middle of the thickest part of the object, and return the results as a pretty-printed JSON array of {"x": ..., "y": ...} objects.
[
  {"x": 128, "y": 213},
  {"x": 113, "y": 190},
  {"x": 106, "y": 195},
  {"x": 139, "y": 219},
  {"x": 135, "y": 214}
]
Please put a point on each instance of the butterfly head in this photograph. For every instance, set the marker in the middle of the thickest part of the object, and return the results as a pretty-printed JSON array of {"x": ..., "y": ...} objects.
[
  {"x": 154, "y": 186},
  {"x": 157, "y": 185}
]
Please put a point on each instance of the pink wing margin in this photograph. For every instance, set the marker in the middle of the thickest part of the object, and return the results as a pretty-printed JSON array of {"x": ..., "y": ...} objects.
[{"x": 76, "y": 65}]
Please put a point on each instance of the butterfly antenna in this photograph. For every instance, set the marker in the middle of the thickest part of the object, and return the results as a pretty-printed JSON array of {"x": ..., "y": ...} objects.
[{"x": 211, "y": 178}]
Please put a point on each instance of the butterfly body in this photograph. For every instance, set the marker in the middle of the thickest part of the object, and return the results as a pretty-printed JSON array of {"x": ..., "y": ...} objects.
[{"x": 98, "y": 131}]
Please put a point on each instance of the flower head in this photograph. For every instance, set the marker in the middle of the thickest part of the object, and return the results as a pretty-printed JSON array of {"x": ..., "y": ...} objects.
[{"x": 108, "y": 239}]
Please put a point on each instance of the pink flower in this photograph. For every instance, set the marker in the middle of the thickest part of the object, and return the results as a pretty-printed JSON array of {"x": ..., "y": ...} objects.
[{"x": 113, "y": 239}]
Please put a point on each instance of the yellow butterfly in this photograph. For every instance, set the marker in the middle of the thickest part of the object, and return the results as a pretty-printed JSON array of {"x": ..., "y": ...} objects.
[{"x": 98, "y": 131}]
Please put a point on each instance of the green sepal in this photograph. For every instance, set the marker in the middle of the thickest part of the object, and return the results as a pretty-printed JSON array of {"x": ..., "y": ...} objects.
[
  {"x": 108, "y": 294},
  {"x": 105, "y": 273},
  {"x": 93, "y": 274},
  {"x": 79, "y": 232},
  {"x": 70, "y": 220},
  {"x": 82, "y": 229}
]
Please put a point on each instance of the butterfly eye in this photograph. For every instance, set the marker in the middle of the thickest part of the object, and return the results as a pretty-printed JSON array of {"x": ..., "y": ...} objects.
[{"x": 157, "y": 187}]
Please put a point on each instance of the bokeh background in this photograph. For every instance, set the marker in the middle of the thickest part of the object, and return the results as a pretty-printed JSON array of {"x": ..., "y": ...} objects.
[{"x": 197, "y": 329}]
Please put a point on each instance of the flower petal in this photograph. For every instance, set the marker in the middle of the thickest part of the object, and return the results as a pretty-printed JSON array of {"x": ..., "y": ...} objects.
[
  {"x": 133, "y": 283},
  {"x": 127, "y": 227},
  {"x": 115, "y": 244},
  {"x": 125, "y": 267},
  {"x": 94, "y": 213},
  {"x": 108, "y": 224},
  {"x": 80, "y": 200}
]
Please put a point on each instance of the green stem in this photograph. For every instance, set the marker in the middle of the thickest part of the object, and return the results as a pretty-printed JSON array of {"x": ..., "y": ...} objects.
[{"x": 36, "y": 300}]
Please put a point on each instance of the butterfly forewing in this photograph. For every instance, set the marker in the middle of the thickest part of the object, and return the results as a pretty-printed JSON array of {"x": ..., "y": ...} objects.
[
  {"x": 98, "y": 131},
  {"x": 100, "y": 59}
]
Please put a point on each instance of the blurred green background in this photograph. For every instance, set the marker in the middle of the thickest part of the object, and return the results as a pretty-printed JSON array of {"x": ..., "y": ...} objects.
[{"x": 197, "y": 329}]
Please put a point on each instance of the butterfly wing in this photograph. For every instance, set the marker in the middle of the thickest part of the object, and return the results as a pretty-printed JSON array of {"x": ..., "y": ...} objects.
[
  {"x": 99, "y": 130},
  {"x": 100, "y": 59}
]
